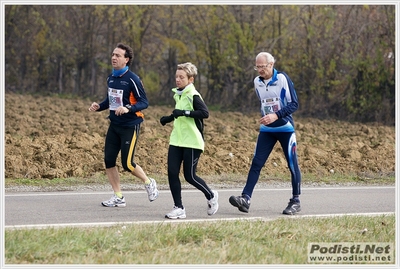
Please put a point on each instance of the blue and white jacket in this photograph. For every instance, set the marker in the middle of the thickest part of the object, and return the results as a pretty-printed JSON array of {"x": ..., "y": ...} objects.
[{"x": 277, "y": 95}]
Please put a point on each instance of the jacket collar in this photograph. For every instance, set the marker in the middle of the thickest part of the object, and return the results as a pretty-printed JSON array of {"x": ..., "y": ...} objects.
[{"x": 273, "y": 79}]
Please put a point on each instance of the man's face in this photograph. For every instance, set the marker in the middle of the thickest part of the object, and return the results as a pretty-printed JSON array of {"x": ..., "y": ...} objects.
[
  {"x": 264, "y": 68},
  {"x": 118, "y": 59}
]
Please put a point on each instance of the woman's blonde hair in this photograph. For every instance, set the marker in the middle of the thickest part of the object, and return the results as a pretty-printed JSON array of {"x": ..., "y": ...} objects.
[{"x": 189, "y": 68}]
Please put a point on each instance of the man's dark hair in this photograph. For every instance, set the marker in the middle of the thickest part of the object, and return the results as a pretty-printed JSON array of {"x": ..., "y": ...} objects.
[{"x": 128, "y": 52}]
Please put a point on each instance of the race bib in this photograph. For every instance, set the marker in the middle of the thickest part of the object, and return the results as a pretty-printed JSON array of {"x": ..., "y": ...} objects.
[
  {"x": 271, "y": 105},
  {"x": 115, "y": 98}
]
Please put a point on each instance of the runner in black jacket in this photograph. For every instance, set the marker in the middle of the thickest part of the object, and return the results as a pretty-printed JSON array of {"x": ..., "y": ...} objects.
[{"x": 126, "y": 98}]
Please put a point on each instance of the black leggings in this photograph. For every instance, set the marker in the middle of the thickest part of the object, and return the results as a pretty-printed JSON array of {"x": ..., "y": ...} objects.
[
  {"x": 190, "y": 158},
  {"x": 122, "y": 139}
]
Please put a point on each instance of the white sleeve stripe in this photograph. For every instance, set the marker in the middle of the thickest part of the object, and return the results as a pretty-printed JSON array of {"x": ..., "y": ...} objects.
[{"x": 137, "y": 90}]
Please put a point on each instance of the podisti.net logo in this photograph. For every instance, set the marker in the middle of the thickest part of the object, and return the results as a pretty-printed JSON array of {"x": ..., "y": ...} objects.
[{"x": 351, "y": 252}]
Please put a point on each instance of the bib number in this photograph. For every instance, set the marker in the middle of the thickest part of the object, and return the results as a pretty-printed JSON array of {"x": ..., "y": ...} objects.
[
  {"x": 115, "y": 98},
  {"x": 271, "y": 105}
]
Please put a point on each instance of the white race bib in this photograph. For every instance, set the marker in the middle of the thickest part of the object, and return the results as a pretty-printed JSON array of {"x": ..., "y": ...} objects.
[
  {"x": 270, "y": 105},
  {"x": 115, "y": 98}
]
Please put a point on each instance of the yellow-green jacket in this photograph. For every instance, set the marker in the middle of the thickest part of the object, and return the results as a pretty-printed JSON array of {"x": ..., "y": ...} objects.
[{"x": 185, "y": 132}]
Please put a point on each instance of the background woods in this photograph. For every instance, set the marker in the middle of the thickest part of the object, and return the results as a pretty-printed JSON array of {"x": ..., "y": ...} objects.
[{"x": 341, "y": 58}]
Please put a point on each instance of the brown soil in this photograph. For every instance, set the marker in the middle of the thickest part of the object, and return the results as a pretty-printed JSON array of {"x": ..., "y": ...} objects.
[{"x": 50, "y": 138}]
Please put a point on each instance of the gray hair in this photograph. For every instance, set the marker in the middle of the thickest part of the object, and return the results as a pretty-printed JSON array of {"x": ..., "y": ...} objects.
[
  {"x": 267, "y": 56},
  {"x": 189, "y": 68}
]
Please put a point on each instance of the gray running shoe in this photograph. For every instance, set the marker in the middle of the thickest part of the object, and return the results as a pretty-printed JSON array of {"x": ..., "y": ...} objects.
[
  {"x": 114, "y": 202},
  {"x": 151, "y": 189},
  {"x": 213, "y": 204},
  {"x": 176, "y": 213},
  {"x": 240, "y": 202},
  {"x": 292, "y": 208}
]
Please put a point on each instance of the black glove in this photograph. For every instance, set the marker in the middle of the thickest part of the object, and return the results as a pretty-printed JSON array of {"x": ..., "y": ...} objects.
[
  {"x": 178, "y": 113},
  {"x": 166, "y": 119}
]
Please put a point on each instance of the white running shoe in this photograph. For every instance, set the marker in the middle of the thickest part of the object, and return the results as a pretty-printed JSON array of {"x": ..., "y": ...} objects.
[
  {"x": 114, "y": 202},
  {"x": 213, "y": 204},
  {"x": 176, "y": 213},
  {"x": 151, "y": 189}
]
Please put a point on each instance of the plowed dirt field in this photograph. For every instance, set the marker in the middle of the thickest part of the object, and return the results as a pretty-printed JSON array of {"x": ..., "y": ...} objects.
[{"x": 50, "y": 137}]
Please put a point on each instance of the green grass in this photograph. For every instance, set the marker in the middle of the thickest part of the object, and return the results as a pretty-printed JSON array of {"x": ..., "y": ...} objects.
[{"x": 281, "y": 241}]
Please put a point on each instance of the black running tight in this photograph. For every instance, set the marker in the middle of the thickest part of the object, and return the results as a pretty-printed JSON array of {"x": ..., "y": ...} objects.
[{"x": 190, "y": 158}]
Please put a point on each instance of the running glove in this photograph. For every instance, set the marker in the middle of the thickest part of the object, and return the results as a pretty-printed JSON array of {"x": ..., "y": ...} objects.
[
  {"x": 166, "y": 119},
  {"x": 178, "y": 113}
]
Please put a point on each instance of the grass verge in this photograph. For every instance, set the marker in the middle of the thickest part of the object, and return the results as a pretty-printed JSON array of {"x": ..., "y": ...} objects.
[
  {"x": 281, "y": 241},
  {"x": 226, "y": 180}
]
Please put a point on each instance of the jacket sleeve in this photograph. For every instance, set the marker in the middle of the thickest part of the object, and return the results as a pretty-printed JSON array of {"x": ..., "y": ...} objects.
[
  {"x": 293, "y": 105},
  {"x": 200, "y": 108},
  {"x": 105, "y": 104},
  {"x": 140, "y": 101}
]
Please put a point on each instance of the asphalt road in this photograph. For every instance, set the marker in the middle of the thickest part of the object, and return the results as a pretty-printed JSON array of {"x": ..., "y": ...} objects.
[{"x": 68, "y": 208}]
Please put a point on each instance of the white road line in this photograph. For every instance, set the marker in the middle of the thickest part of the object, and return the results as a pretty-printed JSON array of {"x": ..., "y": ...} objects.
[
  {"x": 168, "y": 221},
  {"x": 72, "y": 192}
]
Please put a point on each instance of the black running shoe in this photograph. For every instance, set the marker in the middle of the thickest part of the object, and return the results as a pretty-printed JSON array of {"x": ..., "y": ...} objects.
[
  {"x": 240, "y": 202},
  {"x": 292, "y": 208}
]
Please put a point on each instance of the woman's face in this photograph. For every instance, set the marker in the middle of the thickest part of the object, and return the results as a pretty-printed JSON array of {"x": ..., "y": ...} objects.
[{"x": 182, "y": 79}]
